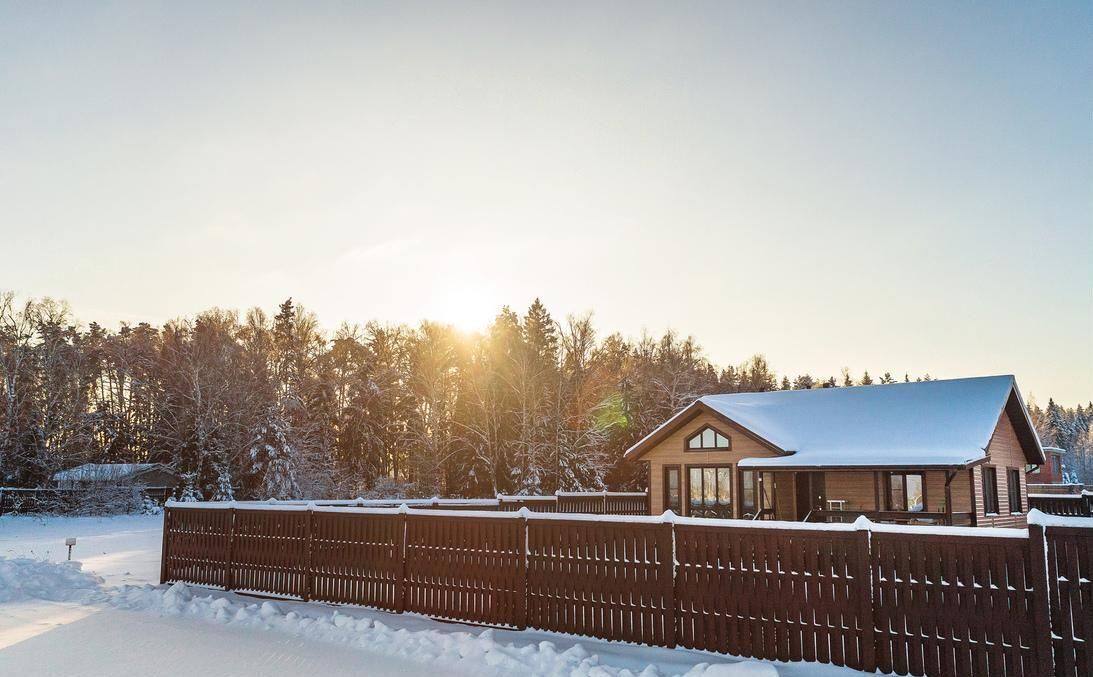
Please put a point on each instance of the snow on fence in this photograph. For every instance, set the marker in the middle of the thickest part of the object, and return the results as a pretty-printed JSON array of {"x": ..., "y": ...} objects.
[
  {"x": 589, "y": 502},
  {"x": 906, "y": 600}
]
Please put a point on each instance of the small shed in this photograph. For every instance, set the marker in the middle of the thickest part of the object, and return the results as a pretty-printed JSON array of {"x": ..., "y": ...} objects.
[{"x": 156, "y": 479}]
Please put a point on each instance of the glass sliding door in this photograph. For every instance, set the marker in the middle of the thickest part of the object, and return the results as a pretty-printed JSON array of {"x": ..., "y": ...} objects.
[{"x": 756, "y": 494}]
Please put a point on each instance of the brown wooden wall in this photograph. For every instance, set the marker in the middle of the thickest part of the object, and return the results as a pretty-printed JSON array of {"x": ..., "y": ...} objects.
[
  {"x": 1004, "y": 452},
  {"x": 857, "y": 488}
]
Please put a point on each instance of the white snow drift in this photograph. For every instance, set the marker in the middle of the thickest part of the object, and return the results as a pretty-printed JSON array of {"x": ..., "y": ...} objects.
[{"x": 25, "y": 578}]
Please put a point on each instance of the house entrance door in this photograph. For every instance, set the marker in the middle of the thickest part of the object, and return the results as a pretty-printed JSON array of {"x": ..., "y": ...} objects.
[{"x": 810, "y": 493}]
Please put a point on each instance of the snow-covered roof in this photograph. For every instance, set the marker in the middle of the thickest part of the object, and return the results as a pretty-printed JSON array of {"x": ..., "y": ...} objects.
[
  {"x": 930, "y": 423},
  {"x": 106, "y": 472}
]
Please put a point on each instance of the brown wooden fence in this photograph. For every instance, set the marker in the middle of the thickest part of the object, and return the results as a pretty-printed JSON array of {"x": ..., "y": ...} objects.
[{"x": 905, "y": 600}]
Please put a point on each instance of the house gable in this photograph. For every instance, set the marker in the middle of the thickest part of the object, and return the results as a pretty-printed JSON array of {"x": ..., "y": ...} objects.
[
  {"x": 683, "y": 425},
  {"x": 1006, "y": 451}
]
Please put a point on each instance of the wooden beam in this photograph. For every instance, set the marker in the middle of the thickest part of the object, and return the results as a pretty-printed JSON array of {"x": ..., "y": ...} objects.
[{"x": 949, "y": 497}]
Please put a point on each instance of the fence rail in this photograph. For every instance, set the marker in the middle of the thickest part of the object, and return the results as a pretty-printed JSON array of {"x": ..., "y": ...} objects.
[{"x": 906, "y": 600}]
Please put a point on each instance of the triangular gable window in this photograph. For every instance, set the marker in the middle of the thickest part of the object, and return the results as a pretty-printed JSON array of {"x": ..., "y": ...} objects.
[{"x": 708, "y": 438}]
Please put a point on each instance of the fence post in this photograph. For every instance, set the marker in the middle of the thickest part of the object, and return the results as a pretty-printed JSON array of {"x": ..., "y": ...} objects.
[
  {"x": 229, "y": 570},
  {"x": 1041, "y": 600},
  {"x": 401, "y": 584},
  {"x": 307, "y": 566},
  {"x": 163, "y": 546},
  {"x": 867, "y": 639},
  {"x": 521, "y": 619},
  {"x": 667, "y": 551}
]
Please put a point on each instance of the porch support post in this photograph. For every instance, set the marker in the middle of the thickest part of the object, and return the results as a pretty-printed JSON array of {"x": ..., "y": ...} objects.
[{"x": 949, "y": 475}]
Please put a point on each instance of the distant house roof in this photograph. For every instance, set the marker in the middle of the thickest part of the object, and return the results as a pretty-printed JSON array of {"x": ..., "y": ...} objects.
[
  {"x": 108, "y": 472},
  {"x": 944, "y": 423}
]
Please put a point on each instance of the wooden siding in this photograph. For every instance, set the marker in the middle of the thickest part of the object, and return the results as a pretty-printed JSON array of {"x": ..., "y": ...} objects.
[
  {"x": 785, "y": 496},
  {"x": 670, "y": 451},
  {"x": 856, "y": 488},
  {"x": 1003, "y": 452}
]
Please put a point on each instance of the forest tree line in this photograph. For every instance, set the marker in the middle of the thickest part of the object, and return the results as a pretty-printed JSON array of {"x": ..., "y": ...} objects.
[{"x": 255, "y": 406}]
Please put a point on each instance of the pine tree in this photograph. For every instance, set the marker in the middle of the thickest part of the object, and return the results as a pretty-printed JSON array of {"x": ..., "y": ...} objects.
[
  {"x": 224, "y": 491},
  {"x": 887, "y": 378},
  {"x": 190, "y": 492},
  {"x": 803, "y": 382},
  {"x": 274, "y": 459},
  {"x": 866, "y": 379}
]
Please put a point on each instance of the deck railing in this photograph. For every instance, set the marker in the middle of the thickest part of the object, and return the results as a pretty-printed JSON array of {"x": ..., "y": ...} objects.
[
  {"x": 1065, "y": 505},
  {"x": 892, "y": 517},
  {"x": 909, "y": 600}
]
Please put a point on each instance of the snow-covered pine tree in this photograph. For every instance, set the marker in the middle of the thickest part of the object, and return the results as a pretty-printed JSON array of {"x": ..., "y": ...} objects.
[
  {"x": 190, "y": 492},
  {"x": 224, "y": 491},
  {"x": 274, "y": 459}
]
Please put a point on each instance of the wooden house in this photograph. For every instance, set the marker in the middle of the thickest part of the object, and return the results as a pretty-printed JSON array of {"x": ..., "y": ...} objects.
[{"x": 948, "y": 452}]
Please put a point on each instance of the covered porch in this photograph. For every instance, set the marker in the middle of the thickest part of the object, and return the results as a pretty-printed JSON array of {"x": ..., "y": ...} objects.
[{"x": 896, "y": 495}]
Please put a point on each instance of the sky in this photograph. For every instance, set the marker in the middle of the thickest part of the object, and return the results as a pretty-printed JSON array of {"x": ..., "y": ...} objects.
[{"x": 883, "y": 186}]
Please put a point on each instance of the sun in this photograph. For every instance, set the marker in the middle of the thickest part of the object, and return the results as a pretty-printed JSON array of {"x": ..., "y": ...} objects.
[{"x": 467, "y": 306}]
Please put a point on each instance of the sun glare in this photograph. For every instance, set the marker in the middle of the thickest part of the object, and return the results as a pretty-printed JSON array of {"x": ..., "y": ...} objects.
[{"x": 467, "y": 307}]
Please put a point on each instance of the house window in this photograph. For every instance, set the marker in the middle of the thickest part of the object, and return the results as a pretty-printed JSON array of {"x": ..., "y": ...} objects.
[
  {"x": 906, "y": 491},
  {"x": 1013, "y": 487},
  {"x": 990, "y": 490},
  {"x": 673, "y": 492},
  {"x": 1056, "y": 465},
  {"x": 710, "y": 490},
  {"x": 708, "y": 438}
]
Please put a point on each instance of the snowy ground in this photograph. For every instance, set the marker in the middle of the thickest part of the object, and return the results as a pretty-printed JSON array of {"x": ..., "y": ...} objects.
[{"x": 103, "y": 616}]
